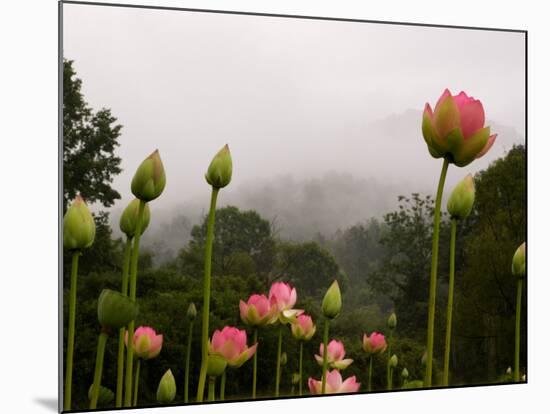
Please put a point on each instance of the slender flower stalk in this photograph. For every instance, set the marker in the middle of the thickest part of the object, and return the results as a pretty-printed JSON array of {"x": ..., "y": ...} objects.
[
  {"x": 187, "y": 363},
  {"x": 392, "y": 323},
  {"x": 300, "y": 368},
  {"x": 133, "y": 288},
  {"x": 254, "y": 364},
  {"x": 369, "y": 384},
  {"x": 120, "y": 358},
  {"x": 211, "y": 388},
  {"x": 70, "y": 334},
  {"x": 98, "y": 368},
  {"x": 450, "y": 305},
  {"x": 136, "y": 383},
  {"x": 222, "y": 386},
  {"x": 206, "y": 293},
  {"x": 325, "y": 355},
  {"x": 433, "y": 275},
  {"x": 518, "y": 270},
  {"x": 278, "y": 369}
]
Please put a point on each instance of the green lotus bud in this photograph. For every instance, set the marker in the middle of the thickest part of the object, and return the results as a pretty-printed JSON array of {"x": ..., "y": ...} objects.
[
  {"x": 462, "y": 198},
  {"x": 114, "y": 310},
  {"x": 105, "y": 396},
  {"x": 393, "y": 361},
  {"x": 149, "y": 180},
  {"x": 392, "y": 321},
  {"x": 128, "y": 219},
  {"x": 296, "y": 378},
  {"x": 78, "y": 226},
  {"x": 216, "y": 365},
  {"x": 413, "y": 384},
  {"x": 332, "y": 302},
  {"x": 191, "y": 312},
  {"x": 424, "y": 358},
  {"x": 166, "y": 391},
  {"x": 405, "y": 373},
  {"x": 283, "y": 359},
  {"x": 518, "y": 262},
  {"x": 509, "y": 371},
  {"x": 220, "y": 169},
  {"x": 524, "y": 377}
]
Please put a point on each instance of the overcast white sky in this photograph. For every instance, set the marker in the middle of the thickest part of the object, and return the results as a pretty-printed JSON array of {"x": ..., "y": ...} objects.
[{"x": 290, "y": 96}]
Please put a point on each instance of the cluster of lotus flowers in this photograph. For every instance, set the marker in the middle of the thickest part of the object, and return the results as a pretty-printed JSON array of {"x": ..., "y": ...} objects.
[{"x": 454, "y": 131}]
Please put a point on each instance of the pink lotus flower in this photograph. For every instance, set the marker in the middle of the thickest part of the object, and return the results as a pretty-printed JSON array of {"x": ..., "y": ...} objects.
[
  {"x": 336, "y": 354},
  {"x": 303, "y": 329},
  {"x": 284, "y": 298},
  {"x": 258, "y": 311},
  {"x": 230, "y": 343},
  {"x": 455, "y": 129},
  {"x": 374, "y": 344},
  {"x": 334, "y": 384},
  {"x": 147, "y": 344}
]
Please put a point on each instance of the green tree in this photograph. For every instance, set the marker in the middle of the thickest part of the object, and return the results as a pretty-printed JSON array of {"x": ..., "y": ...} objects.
[{"x": 89, "y": 142}]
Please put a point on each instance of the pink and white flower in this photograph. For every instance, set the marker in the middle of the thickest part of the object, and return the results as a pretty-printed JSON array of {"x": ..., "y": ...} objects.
[
  {"x": 146, "y": 344},
  {"x": 258, "y": 311},
  {"x": 230, "y": 343},
  {"x": 303, "y": 328},
  {"x": 335, "y": 355},
  {"x": 334, "y": 384},
  {"x": 374, "y": 344},
  {"x": 284, "y": 297}
]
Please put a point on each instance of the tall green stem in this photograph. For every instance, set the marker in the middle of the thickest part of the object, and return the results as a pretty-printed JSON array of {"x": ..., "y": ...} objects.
[
  {"x": 211, "y": 389},
  {"x": 187, "y": 364},
  {"x": 518, "y": 326},
  {"x": 300, "y": 368},
  {"x": 433, "y": 275},
  {"x": 98, "y": 369},
  {"x": 254, "y": 364},
  {"x": 390, "y": 385},
  {"x": 133, "y": 286},
  {"x": 206, "y": 293},
  {"x": 388, "y": 368},
  {"x": 369, "y": 383},
  {"x": 136, "y": 383},
  {"x": 70, "y": 334},
  {"x": 222, "y": 386},
  {"x": 450, "y": 304},
  {"x": 278, "y": 371},
  {"x": 120, "y": 359},
  {"x": 325, "y": 356}
]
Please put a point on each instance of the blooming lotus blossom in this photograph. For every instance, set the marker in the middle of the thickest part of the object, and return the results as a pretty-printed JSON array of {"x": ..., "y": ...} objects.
[
  {"x": 334, "y": 384},
  {"x": 374, "y": 344},
  {"x": 284, "y": 298},
  {"x": 335, "y": 357},
  {"x": 147, "y": 344},
  {"x": 258, "y": 311},
  {"x": 230, "y": 343},
  {"x": 303, "y": 328},
  {"x": 455, "y": 129}
]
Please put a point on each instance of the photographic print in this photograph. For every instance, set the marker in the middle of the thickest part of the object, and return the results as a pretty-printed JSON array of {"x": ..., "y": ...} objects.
[{"x": 262, "y": 206}]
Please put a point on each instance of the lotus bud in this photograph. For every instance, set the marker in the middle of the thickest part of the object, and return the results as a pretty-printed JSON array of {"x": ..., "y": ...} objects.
[
  {"x": 392, "y": 321},
  {"x": 115, "y": 310},
  {"x": 220, "y": 169},
  {"x": 509, "y": 371},
  {"x": 462, "y": 198},
  {"x": 405, "y": 373},
  {"x": 166, "y": 391},
  {"x": 518, "y": 262},
  {"x": 332, "y": 302},
  {"x": 284, "y": 359},
  {"x": 216, "y": 365},
  {"x": 191, "y": 312},
  {"x": 128, "y": 219},
  {"x": 149, "y": 180},
  {"x": 296, "y": 378},
  {"x": 105, "y": 396},
  {"x": 524, "y": 378},
  {"x": 78, "y": 226},
  {"x": 424, "y": 358},
  {"x": 393, "y": 361}
]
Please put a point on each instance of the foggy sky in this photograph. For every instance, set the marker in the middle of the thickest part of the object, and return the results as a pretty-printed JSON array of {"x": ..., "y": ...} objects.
[{"x": 291, "y": 97}]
